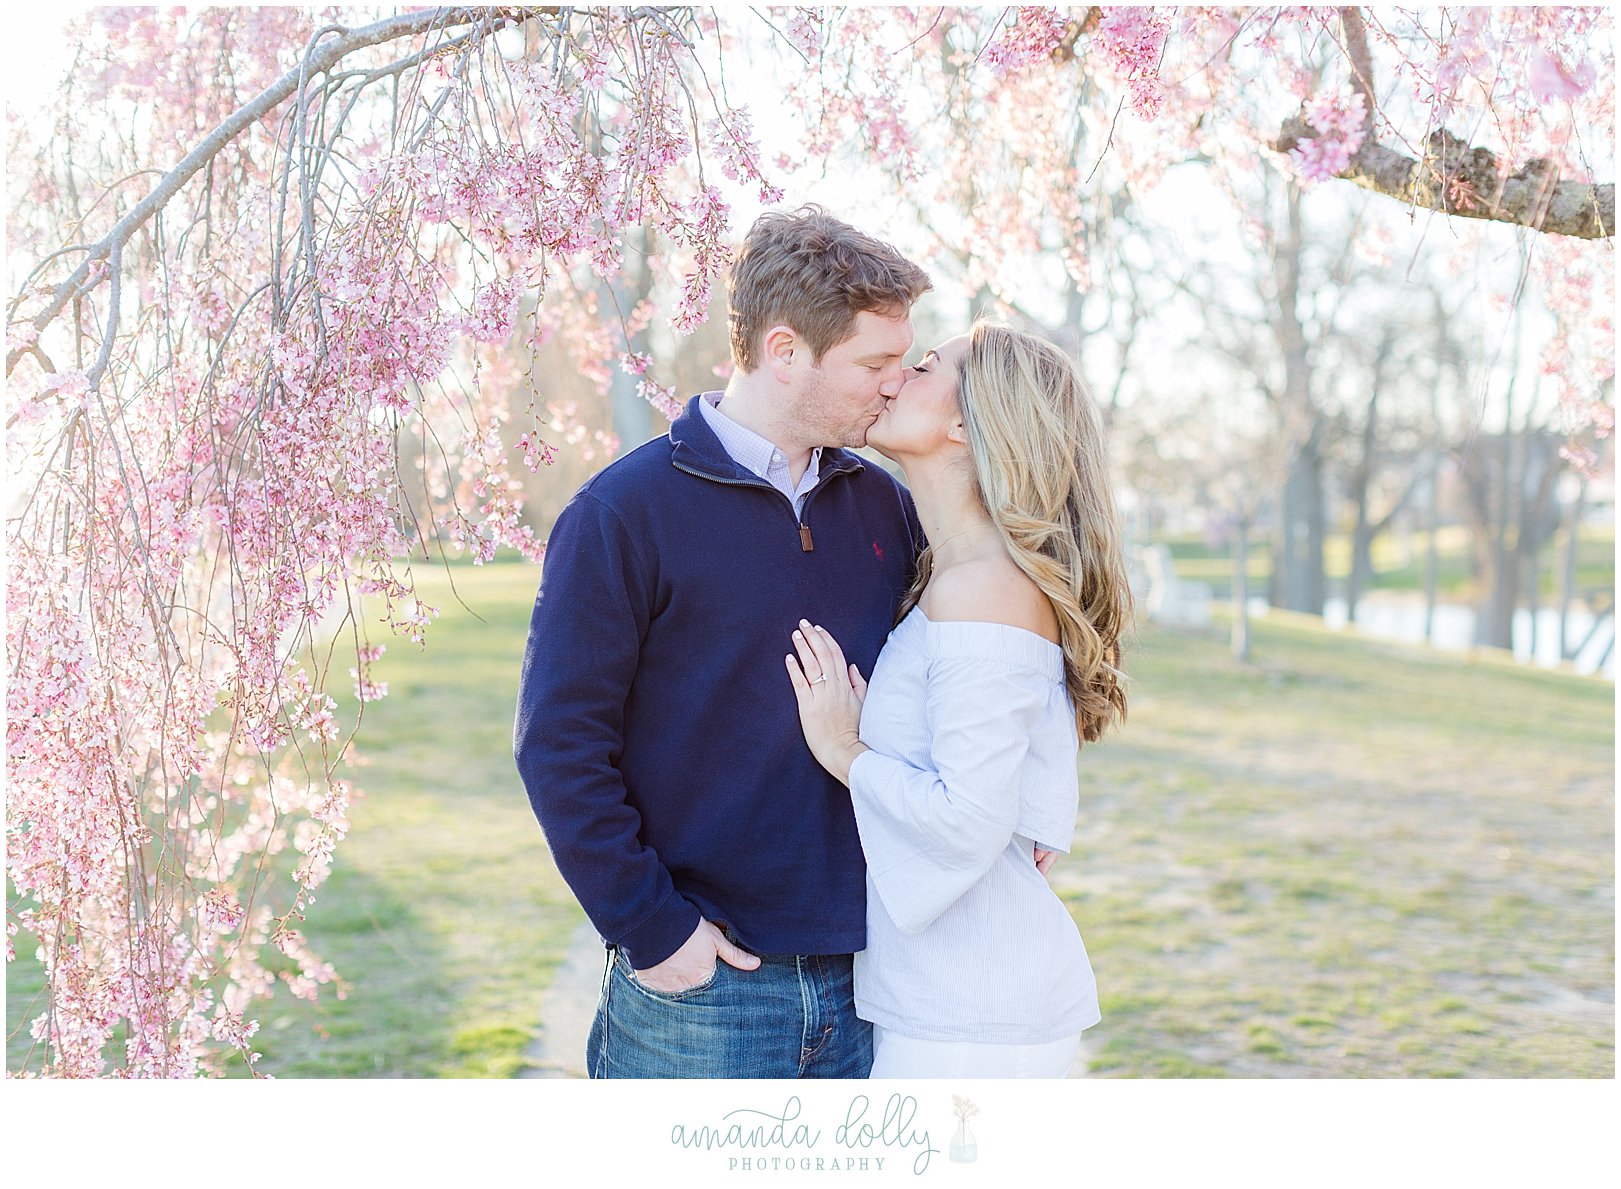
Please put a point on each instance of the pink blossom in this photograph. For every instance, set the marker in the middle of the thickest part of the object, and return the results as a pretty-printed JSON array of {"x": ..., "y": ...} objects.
[
  {"x": 1029, "y": 38},
  {"x": 1552, "y": 80},
  {"x": 71, "y": 387},
  {"x": 1338, "y": 119},
  {"x": 1132, "y": 42},
  {"x": 661, "y": 397}
]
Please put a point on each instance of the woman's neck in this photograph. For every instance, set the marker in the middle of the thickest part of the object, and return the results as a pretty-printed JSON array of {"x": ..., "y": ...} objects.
[{"x": 956, "y": 523}]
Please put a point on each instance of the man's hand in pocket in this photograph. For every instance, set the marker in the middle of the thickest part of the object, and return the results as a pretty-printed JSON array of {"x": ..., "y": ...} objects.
[{"x": 694, "y": 962}]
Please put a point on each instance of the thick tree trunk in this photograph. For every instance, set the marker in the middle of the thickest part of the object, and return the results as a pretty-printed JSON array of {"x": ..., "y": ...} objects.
[
  {"x": 1567, "y": 591},
  {"x": 1241, "y": 592},
  {"x": 1302, "y": 520},
  {"x": 1304, "y": 523},
  {"x": 1361, "y": 563},
  {"x": 1432, "y": 551},
  {"x": 1511, "y": 527},
  {"x": 1530, "y": 582},
  {"x": 1496, "y": 506},
  {"x": 1494, "y": 622}
]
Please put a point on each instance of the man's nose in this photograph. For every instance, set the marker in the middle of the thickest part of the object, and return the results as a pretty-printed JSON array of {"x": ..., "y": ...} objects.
[{"x": 893, "y": 379}]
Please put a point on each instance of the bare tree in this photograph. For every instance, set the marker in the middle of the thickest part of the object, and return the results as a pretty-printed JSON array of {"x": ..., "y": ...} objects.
[{"x": 1509, "y": 482}]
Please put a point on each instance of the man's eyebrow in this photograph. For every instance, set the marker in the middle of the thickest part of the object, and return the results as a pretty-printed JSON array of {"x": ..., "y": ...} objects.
[{"x": 882, "y": 355}]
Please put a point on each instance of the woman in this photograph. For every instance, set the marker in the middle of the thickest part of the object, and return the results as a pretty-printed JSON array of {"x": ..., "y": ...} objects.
[{"x": 960, "y": 756}]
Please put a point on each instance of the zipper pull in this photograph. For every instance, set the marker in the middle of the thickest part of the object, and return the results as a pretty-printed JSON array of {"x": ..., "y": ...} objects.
[{"x": 805, "y": 539}]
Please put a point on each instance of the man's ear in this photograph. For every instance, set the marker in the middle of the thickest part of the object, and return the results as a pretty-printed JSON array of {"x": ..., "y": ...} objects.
[{"x": 781, "y": 346}]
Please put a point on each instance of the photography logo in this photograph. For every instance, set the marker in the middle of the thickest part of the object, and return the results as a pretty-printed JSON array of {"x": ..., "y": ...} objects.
[{"x": 864, "y": 1137}]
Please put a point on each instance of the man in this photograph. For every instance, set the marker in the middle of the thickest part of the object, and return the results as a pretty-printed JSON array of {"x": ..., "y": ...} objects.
[{"x": 657, "y": 732}]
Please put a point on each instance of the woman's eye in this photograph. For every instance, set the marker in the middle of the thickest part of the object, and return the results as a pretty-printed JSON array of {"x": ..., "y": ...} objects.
[{"x": 919, "y": 368}]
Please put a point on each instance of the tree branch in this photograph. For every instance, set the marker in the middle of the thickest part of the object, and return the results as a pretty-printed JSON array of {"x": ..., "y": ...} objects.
[
  {"x": 1356, "y": 48},
  {"x": 1459, "y": 180},
  {"x": 388, "y": 29}
]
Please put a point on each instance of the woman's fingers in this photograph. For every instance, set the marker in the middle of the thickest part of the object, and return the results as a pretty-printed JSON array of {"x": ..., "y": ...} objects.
[
  {"x": 858, "y": 683},
  {"x": 834, "y": 652},
  {"x": 802, "y": 690},
  {"x": 808, "y": 658},
  {"x": 820, "y": 644},
  {"x": 821, "y": 656}
]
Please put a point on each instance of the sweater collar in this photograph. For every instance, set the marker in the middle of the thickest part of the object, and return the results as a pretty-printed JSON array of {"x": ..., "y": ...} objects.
[{"x": 697, "y": 449}]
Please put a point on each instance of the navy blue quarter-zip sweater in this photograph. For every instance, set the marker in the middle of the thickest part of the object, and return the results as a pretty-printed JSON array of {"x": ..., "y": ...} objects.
[{"x": 657, "y": 732}]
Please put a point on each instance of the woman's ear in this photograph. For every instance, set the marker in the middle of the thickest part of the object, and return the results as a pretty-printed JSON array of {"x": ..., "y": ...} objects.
[{"x": 957, "y": 433}]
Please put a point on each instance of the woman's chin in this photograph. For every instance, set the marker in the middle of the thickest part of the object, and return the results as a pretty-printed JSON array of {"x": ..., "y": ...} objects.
[{"x": 875, "y": 441}]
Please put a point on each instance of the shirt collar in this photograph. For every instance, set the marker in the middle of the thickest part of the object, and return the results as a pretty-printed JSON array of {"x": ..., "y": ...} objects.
[{"x": 746, "y": 447}]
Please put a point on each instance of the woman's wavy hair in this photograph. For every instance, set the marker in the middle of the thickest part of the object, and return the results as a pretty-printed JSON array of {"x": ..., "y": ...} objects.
[{"x": 1037, "y": 444}]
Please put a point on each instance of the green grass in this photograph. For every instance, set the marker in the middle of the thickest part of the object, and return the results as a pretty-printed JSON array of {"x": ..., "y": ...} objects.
[
  {"x": 1344, "y": 859},
  {"x": 1348, "y": 859},
  {"x": 446, "y": 913}
]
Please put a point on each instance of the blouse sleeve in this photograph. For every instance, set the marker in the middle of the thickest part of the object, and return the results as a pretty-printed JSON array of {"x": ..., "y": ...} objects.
[{"x": 930, "y": 834}]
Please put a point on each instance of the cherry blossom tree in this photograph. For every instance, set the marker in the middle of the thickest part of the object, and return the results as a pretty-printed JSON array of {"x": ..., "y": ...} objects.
[
  {"x": 266, "y": 257},
  {"x": 218, "y": 360}
]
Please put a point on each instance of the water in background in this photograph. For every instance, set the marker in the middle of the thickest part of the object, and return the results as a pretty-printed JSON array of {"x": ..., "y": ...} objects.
[{"x": 1401, "y": 618}]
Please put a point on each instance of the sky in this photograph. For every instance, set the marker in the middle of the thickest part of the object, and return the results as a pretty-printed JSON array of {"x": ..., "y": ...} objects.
[{"x": 35, "y": 54}]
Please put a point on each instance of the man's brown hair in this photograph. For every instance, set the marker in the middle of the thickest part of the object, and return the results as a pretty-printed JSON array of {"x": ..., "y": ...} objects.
[{"x": 810, "y": 271}]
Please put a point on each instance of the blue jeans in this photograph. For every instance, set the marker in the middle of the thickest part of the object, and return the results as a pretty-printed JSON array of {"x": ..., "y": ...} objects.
[{"x": 794, "y": 1017}]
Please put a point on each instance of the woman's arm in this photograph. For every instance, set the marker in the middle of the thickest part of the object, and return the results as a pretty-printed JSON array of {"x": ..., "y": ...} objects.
[{"x": 931, "y": 833}]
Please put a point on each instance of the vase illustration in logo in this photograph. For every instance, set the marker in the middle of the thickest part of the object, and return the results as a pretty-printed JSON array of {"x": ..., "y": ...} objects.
[{"x": 964, "y": 1147}]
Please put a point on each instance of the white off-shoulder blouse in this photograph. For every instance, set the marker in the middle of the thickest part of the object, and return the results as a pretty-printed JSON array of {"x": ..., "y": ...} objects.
[{"x": 973, "y": 762}]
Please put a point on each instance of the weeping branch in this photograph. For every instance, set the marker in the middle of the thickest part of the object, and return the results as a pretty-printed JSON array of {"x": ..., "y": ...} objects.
[{"x": 320, "y": 61}]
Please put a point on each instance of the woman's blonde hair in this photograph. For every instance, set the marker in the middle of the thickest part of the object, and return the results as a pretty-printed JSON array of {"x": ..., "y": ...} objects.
[{"x": 1036, "y": 440}]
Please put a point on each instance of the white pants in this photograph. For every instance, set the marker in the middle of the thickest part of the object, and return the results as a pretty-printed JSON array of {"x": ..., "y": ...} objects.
[{"x": 897, "y": 1056}]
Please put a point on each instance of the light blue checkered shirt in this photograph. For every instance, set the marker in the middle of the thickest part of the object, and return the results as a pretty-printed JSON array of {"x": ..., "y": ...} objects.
[{"x": 754, "y": 453}]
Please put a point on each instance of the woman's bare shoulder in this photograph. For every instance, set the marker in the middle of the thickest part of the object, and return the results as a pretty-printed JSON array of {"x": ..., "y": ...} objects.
[{"x": 990, "y": 590}]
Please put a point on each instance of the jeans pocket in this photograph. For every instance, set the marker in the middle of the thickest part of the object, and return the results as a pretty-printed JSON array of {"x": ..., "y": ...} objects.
[{"x": 666, "y": 996}]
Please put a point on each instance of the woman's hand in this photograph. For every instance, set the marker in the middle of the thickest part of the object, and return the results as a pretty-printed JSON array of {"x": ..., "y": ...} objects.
[{"x": 830, "y": 694}]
